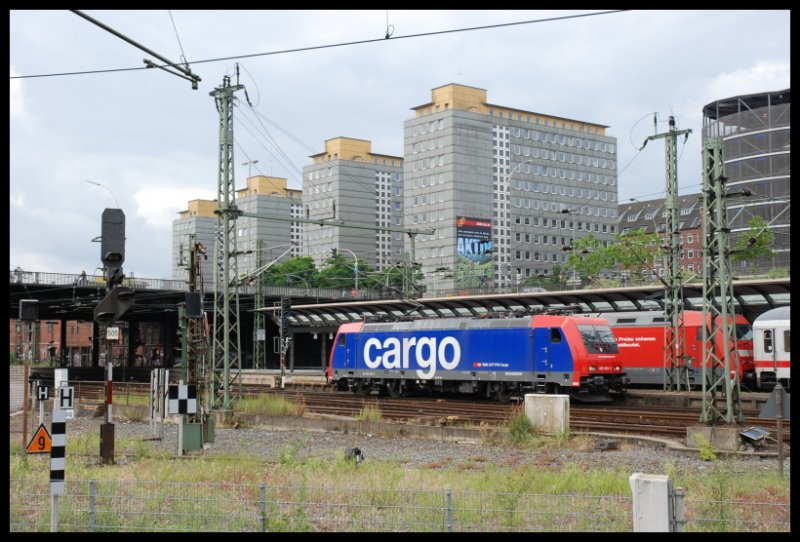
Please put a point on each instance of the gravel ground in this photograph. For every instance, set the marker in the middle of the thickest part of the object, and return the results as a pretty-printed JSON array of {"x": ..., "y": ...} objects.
[{"x": 417, "y": 453}]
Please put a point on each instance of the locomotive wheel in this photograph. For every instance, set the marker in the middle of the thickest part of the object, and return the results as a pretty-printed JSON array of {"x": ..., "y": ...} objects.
[
  {"x": 361, "y": 389},
  {"x": 500, "y": 393},
  {"x": 394, "y": 389}
]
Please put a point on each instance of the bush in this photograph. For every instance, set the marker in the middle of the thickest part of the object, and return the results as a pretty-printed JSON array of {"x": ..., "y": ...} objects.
[
  {"x": 370, "y": 414},
  {"x": 707, "y": 452},
  {"x": 519, "y": 427},
  {"x": 778, "y": 273}
]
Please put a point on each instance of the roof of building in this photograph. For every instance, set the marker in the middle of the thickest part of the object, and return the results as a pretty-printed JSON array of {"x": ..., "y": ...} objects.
[{"x": 650, "y": 215}]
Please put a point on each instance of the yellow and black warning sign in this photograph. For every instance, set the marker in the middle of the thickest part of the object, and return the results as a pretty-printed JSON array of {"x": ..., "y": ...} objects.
[{"x": 41, "y": 442}]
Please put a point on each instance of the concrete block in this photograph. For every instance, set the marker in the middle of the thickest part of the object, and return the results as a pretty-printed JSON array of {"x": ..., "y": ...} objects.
[
  {"x": 548, "y": 413},
  {"x": 723, "y": 438}
]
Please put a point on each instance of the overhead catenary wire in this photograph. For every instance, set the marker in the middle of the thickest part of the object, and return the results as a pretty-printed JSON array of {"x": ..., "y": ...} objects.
[
  {"x": 329, "y": 46},
  {"x": 177, "y": 36}
]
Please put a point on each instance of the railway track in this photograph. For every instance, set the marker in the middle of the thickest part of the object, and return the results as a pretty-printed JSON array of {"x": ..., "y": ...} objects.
[{"x": 640, "y": 420}]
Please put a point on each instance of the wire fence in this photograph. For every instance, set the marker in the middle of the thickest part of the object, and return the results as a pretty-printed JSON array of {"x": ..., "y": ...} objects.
[{"x": 111, "y": 506}]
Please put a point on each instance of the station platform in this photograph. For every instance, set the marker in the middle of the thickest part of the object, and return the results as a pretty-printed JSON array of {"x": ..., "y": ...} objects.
[{"x": 749, "y": 400}]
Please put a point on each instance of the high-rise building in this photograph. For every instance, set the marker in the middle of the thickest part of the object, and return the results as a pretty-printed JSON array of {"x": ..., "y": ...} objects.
[
  {"x": 258, "y": 240},
  {"x": 506, "y": 189},
  {"x": 349, "y": 182},
  {"x": 756, "y": 134}
]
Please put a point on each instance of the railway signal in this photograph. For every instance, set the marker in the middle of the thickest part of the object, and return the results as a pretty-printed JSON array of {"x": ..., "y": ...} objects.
[{"x": 112, "y": 244}]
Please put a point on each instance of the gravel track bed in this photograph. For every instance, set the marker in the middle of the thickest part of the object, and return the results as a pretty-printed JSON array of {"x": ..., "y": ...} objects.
[{"x": 265, "y": 442}]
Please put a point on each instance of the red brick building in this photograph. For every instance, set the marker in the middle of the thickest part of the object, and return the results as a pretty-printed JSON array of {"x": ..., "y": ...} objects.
[
  {"x": 44, "y": 337},
  {"x": 651, "y": 216}
]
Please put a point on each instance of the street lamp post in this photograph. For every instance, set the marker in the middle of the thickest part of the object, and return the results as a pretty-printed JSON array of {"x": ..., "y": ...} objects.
[
  {"x": 575, "y": 279},
  {"x": 250, "y": 168},
  {"x": 355, "y": 266},
  {"x": 299, "y": 277},
  {"x": 109, "y": 191},
  {"x": 504, "y": 219}
]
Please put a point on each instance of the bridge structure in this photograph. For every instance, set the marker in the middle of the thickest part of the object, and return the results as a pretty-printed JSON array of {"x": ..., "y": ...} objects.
[{"x": 316, "y": 313}]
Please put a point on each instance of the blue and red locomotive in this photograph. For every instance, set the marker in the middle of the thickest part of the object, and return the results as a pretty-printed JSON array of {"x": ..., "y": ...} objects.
[{"x": 493, "y": 357}]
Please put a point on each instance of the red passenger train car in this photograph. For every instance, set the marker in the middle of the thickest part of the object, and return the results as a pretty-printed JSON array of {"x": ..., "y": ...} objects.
[{"x": 641, "y": 338}]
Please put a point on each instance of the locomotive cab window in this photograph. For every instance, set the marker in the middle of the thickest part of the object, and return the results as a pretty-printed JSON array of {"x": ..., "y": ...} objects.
[
  {"x": 598, "y": 339},
  {"x": 555, "y": 335},
  {"x": 768, "y": 340},
  {"x": 744, "y": 332},
  {"x": 342, "y": 337}
]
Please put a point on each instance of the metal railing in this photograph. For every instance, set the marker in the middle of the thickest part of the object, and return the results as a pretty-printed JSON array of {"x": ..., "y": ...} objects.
[
  {"x": 205, "y": 506},
  {"x": 19, "y": 276}
]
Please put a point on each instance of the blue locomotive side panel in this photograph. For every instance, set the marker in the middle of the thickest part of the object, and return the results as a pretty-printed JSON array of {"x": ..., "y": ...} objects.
[
  {"x": 552, "y": 351},
  {"x": 431, "y": 353}
]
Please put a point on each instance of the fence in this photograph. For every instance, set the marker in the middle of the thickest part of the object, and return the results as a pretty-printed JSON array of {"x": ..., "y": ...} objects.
[{"x": 199, "y": 507}]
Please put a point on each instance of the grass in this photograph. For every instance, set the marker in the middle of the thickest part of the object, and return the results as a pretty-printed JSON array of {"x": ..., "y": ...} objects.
[
  {"x": 270, "y": 405},
  {"x": 346, "y": 493},
  {"x": 159, "y": 492},
  {"x": 370, "y": 413}
]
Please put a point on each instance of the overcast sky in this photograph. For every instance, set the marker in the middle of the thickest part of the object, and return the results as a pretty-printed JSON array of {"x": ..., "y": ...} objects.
[{"x": 152, "y": 142}]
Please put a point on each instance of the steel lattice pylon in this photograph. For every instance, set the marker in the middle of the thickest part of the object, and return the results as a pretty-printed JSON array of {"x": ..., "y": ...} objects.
[
  {"x": 675, "y": 370},
  {"x": 720, "y": 355},
  {"x": 225, "y": 352}
]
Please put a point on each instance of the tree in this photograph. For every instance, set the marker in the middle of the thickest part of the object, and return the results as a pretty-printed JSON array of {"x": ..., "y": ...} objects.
[
  {"x": 393, "y": 278},
  {"x": 754, "y": 243},
  {"x": 631, "y": 250},
  {"x": 286, "y": 273},
  {"x": 588, "y": 257},
  {"x": 635, "y": 249},
  {"x": 340, "y": 273}
]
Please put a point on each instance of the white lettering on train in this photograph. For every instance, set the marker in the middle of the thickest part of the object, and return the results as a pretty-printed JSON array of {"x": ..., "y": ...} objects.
[{"x": 428, "y": 352}]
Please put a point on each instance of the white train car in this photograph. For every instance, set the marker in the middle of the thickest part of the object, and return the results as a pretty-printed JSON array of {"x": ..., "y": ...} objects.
[{"x": 771, "y": 345}]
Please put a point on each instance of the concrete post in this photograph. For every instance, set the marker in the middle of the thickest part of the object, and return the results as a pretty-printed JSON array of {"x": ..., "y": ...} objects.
[{"x": 652, "y": 503}]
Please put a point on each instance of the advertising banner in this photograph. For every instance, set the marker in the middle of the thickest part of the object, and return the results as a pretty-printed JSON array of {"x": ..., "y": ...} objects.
[{"x": 474, "y": 251}]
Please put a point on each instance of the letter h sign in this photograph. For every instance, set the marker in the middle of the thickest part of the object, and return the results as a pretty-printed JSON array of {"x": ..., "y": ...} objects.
[{"x": 65, "y": 396}]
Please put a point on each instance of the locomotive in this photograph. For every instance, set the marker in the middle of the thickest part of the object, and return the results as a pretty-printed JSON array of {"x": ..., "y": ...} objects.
[
  {"x": 641, "y": 337},
  {"x": 771, "y": 348},
  {"x": 492, "y": 357}
]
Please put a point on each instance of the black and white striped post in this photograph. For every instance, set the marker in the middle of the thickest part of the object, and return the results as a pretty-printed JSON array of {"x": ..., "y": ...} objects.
[{"x": 58, "y": 450}]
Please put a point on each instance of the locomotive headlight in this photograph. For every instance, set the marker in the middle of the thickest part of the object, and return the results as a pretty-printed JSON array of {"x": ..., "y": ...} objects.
[{"x": 617, "y": 368}]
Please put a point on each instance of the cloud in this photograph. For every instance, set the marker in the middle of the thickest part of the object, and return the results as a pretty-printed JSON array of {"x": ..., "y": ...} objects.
[
  {"x": 17, "y": 97},
  {"x": 765, "y": 76},
  {"x": 159, "y": 205},
  {"x": 17, "y": 199}
]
